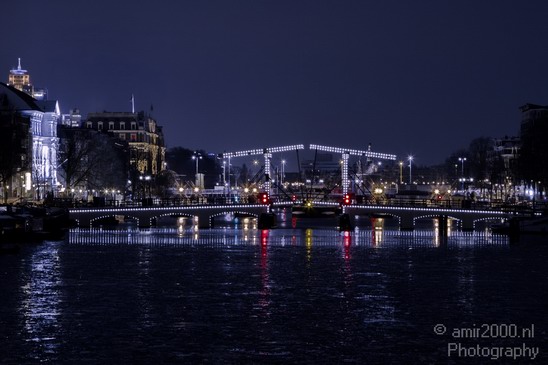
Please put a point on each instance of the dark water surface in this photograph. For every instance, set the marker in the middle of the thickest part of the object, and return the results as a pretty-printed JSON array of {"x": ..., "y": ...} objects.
[{"x": 279, "y": 296}]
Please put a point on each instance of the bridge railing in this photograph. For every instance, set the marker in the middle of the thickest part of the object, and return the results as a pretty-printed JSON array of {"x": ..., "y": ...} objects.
[{"x": 523, "y": 208}]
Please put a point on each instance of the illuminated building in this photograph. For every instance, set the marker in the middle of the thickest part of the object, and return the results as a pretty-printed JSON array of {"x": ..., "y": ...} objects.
[
  {"x": 45, "y": 145},
  {"x": 44, "y": 115},
  {"x": 34, "y": 138},
  {"x": 73, "y": 119},
  {"x": 507, "y": 149},
  {"x": 141, "y": 131},
  {"x": 20, "y": 79}
]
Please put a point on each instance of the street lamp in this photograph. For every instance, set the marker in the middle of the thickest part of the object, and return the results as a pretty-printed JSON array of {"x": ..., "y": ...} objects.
[
  {"x": 196, "y": 156},
  {"x": 410, "y": 158},
  {"x": 283, "y": 172},
  {"x": 401, "y": 172},
  {"x": 462, "y": 159}
]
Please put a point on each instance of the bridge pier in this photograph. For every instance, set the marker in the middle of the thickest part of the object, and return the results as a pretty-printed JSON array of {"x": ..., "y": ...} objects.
[
  {"x": 442, "y": 225},
  {"x": 266, "y": 221},
  {"x": 346, "y": 223}
]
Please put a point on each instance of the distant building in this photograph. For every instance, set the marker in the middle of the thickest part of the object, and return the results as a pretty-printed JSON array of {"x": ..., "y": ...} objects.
[
  {"x": 144, "y": 136},
  {"x": 20, "y": 79},
  {"x": 531, "y": 116},
  {"x": 507, "y": 149},
  {"x": 534, "y": 149},
  {"x": 73, "y": 119}
]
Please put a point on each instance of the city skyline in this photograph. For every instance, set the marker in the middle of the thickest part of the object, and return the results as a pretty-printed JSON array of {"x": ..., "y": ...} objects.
[{"x": 420, "y": 79}]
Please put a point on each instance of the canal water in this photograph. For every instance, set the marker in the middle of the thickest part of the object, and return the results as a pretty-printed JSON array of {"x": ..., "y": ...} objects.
[{"x": 242, "y": 295}]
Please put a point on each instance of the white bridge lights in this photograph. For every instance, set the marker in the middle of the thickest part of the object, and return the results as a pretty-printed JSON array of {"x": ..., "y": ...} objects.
[
  {"x": 346, "y": 152},
  {"x": 267, "y": 153}
]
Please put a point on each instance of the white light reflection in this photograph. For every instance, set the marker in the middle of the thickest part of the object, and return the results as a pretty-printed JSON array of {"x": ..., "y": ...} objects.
[{"x": 42, "y": 298}]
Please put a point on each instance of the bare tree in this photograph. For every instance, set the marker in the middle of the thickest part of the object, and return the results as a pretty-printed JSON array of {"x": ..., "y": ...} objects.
[
  {"x": 165, "y": 183},
  {"x": 92, "y": 160}
]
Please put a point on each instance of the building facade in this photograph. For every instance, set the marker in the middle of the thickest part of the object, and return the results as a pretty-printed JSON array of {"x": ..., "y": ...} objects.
[
  {"x": 18, "y": 114},
  {"x": 531, "y": 116},
  {"x": 73, "y": 119},
  {"x": 45, "y": 145},
  {"x": 507, "y": 149},
  {"x": 534, "y": 149},
  {"x": 44, "y": 116},
  {"x": 142, "y": 133}
]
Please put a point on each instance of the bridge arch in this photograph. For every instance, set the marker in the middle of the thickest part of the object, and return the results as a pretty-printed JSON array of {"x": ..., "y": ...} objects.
[
  {"x": 397, "y": 217},
  {"x": 436, "y": 216},
  {"x": 485, "y": 219},
  {"x": 110, "y": 215},
  {"x": 154, "y": 218},
  {"x": 218, "y": 214}
]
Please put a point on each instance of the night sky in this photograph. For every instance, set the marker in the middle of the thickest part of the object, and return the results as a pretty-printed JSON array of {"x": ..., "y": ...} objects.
[{"x": 411, "y": 77}]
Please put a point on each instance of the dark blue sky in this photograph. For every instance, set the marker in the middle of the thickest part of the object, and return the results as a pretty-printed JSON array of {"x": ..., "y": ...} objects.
[{"x": 410, "y": 77}]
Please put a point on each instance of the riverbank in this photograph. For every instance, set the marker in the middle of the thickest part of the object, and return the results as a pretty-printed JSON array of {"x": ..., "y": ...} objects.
[{"x": 27, "y": 223}]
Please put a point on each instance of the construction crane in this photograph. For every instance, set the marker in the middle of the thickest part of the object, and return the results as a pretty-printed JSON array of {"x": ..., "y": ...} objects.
[
  {"x": 267, "y": 153},
  {"x": 346, "y": 152}
]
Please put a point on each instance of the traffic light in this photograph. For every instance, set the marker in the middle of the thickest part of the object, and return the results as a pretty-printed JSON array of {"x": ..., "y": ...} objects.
[
  {"x": 347, "y": 199},
  {"x": 264, "y": 198}
]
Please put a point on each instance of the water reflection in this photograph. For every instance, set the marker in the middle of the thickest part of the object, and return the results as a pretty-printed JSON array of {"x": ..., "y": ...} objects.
[
  {"x": 265, "y": 292},
  {"x": 42, "y": 297},
  {"x": 347, "y": 241},
  {"x": 376, "y": 238},
  {"x": 261, "y": 296}
]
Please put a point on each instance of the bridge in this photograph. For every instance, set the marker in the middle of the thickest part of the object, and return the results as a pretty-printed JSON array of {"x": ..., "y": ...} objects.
[
  {"x": 202, "y": 208},
  {"x": 408, "y": 215},
  {"x": 203, "y": 215},
  {"x": 146, "y": 217}
]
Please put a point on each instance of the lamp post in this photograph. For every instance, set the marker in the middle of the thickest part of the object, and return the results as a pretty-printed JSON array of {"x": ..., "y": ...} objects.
[
  {"x": 283, "y": 173},
  {"x": 145, "y": 185},
  {"x": 401, "y": 172},
  {"x": 147, "y": 179},
  {"x": 196, "y": 156},
  {"x": 410, "y": 158},
  {"x": 462, "y": 159}
]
